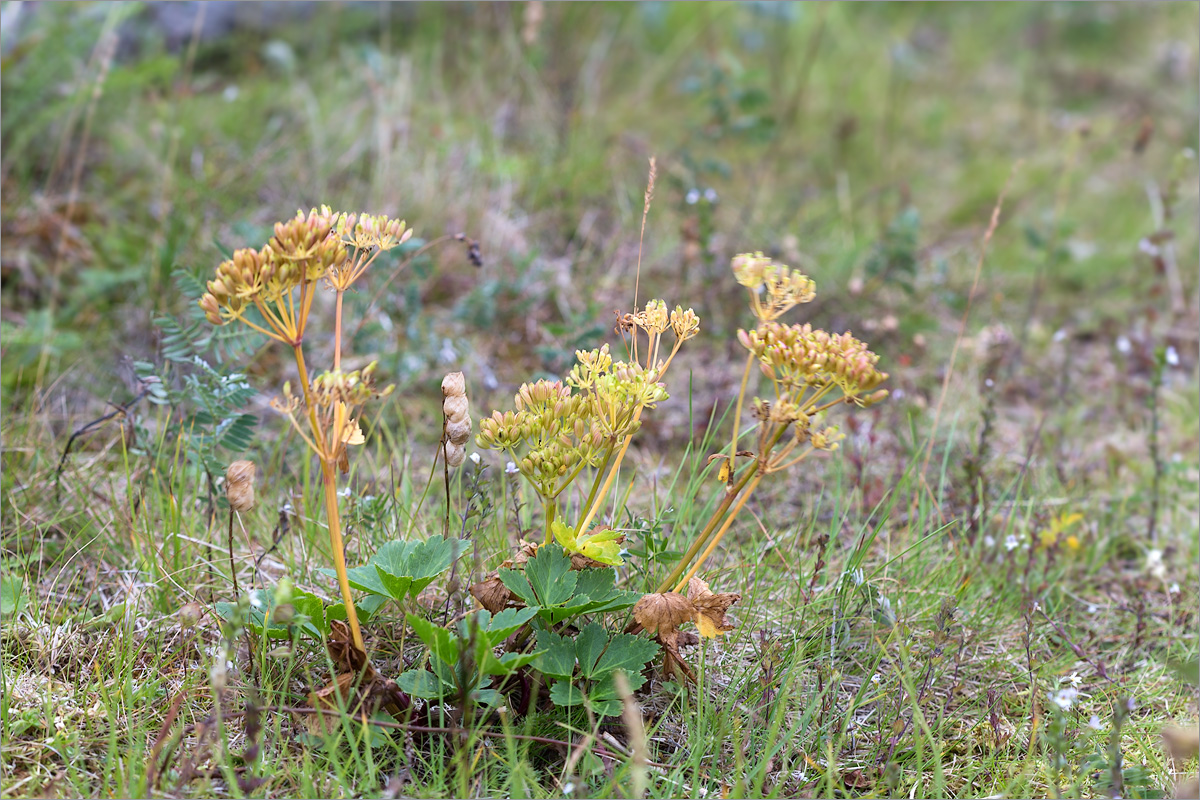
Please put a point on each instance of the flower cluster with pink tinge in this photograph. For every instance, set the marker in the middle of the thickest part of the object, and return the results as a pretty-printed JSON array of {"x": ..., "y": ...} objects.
[
  {"x": 798, "y": 356},
  {"x": 304, "y": 249}
]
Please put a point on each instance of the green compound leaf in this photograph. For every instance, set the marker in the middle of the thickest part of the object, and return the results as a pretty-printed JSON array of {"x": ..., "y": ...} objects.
[
  {"x": 424, "y": 684},
  {"x": 516, "y": 583},
  {"x": 560, "y": 593},
  {"x": 441, "y": 643},
  {"x": 626, "y": 652},
  {"x": 602, "y": 698},
  {"x": 507, "y": 622},
  {"x": 558, "y": 657},
  {"x": 589, "y": 646},
  {"x": 550, "y": 576},
  {"x": 599, "y": 655},
  {"x": 405, "y": 568},
  {"x": 565, "y": 693}
]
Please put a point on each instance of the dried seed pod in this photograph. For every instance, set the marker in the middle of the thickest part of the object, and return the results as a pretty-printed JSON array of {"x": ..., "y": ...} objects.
[
  {"x": 455, "y": 454},
  {"x": 454, "y": 385},
  {"x": 459, "y": 431},
  {"x": 458, "y": 419},
  {"x": 239, "y": 485},
  {"x": 455, "y": 408}
]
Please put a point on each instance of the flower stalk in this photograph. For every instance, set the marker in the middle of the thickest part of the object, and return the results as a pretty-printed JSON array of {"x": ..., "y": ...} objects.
[{"x": 279, "y": 281}]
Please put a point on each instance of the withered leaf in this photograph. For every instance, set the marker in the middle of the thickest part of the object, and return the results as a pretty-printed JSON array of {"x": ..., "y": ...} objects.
[
  {"x": 525, "y": 551},
  {"x": 1182, "y": 743},
  {"x": 326, "y": 699},
  {"x": 663, "y": 612},
  {"x": 580, "y": 561},
  {"x": 673, "y": 663},
  {"x": 493, "y": 595},
  {"x": 346, "y": 657},
  {"x": 711, "y": 608},
  {"x": 369, "y": 694}
]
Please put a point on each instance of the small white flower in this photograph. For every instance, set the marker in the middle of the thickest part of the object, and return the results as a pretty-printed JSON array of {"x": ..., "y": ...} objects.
[
  {"x": 1065, "y": 698},
  {"x": 989, "y": 541},
  {"x": 1172, "y": 356},
  {"x": 475, "y": 459},
  {"x": 1155, "y": 565},
  {"x": 344, "y": 492},
  {"x": 1060, "y": 334},
  {"x": 876, "y": 678},
  {"x": 1092, "y": 608},
  {"x": 1094, "y": 723},
  {"x": 511, "y": 468},
  {"x": 1124, "y": 346},
  {"x": 1011, "y": 542},
  {"x": 710, "y": 195},
  {"x": 1074, "y": 679},
  {"x": 989, "y": 383},
  {"x": 1173, "y": 588},
  {"x": 692, "y": 197},
  {"x": 255, "y": 600}
]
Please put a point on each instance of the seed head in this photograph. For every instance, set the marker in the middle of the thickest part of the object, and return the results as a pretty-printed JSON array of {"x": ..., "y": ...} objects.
[
  {"x": 455, "y": 407},
  {"x": 239, "y": 485}
]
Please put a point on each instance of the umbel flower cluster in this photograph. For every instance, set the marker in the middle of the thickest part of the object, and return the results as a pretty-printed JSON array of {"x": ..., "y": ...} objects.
[
  {"x": 322, "y": 244},
  {"x": 337, "y": 399},
  {"x": 560, "y": 428},
  {"x": 810, "y": 372}
]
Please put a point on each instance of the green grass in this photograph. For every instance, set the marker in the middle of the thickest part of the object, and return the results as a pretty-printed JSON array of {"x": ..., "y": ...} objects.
[{"x": 820, "y": 128}]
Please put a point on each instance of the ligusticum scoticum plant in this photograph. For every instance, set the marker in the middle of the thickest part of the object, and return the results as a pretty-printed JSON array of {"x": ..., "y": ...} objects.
[{"x": 271, "y": 290}]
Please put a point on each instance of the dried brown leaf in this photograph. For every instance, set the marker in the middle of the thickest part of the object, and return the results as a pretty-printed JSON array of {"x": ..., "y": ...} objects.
[
  {"x": 525, "y": 551},
  {"x": 346, "y": 657},
  {"x": 580, "y": 561},
  {"x": 663, "y": 612},
  {"x": 674, "y": 667},
  {"x": 493, "y": 595},
  {"x": 1182, "y": 743},
  {"x": 710, "y": 608}
]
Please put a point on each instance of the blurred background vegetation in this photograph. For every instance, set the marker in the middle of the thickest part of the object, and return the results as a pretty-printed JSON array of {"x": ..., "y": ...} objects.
[{"x": 866, "y": 143}]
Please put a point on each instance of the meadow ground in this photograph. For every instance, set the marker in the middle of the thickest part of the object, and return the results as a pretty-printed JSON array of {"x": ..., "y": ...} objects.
[{"x": 990, "y": 590}]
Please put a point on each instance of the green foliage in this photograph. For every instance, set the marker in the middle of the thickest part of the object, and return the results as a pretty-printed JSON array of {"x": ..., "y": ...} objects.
[
  {"x": 583, "y": 667},
  {"x": 308, "y": 614},
  {"x": 405, "y": 568},
  {"x": 12, "y": 595},
  {"x": 206, "y": 398},
  {"x": 462, "y": 658},
  {"x": 558, "y": 593}
]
